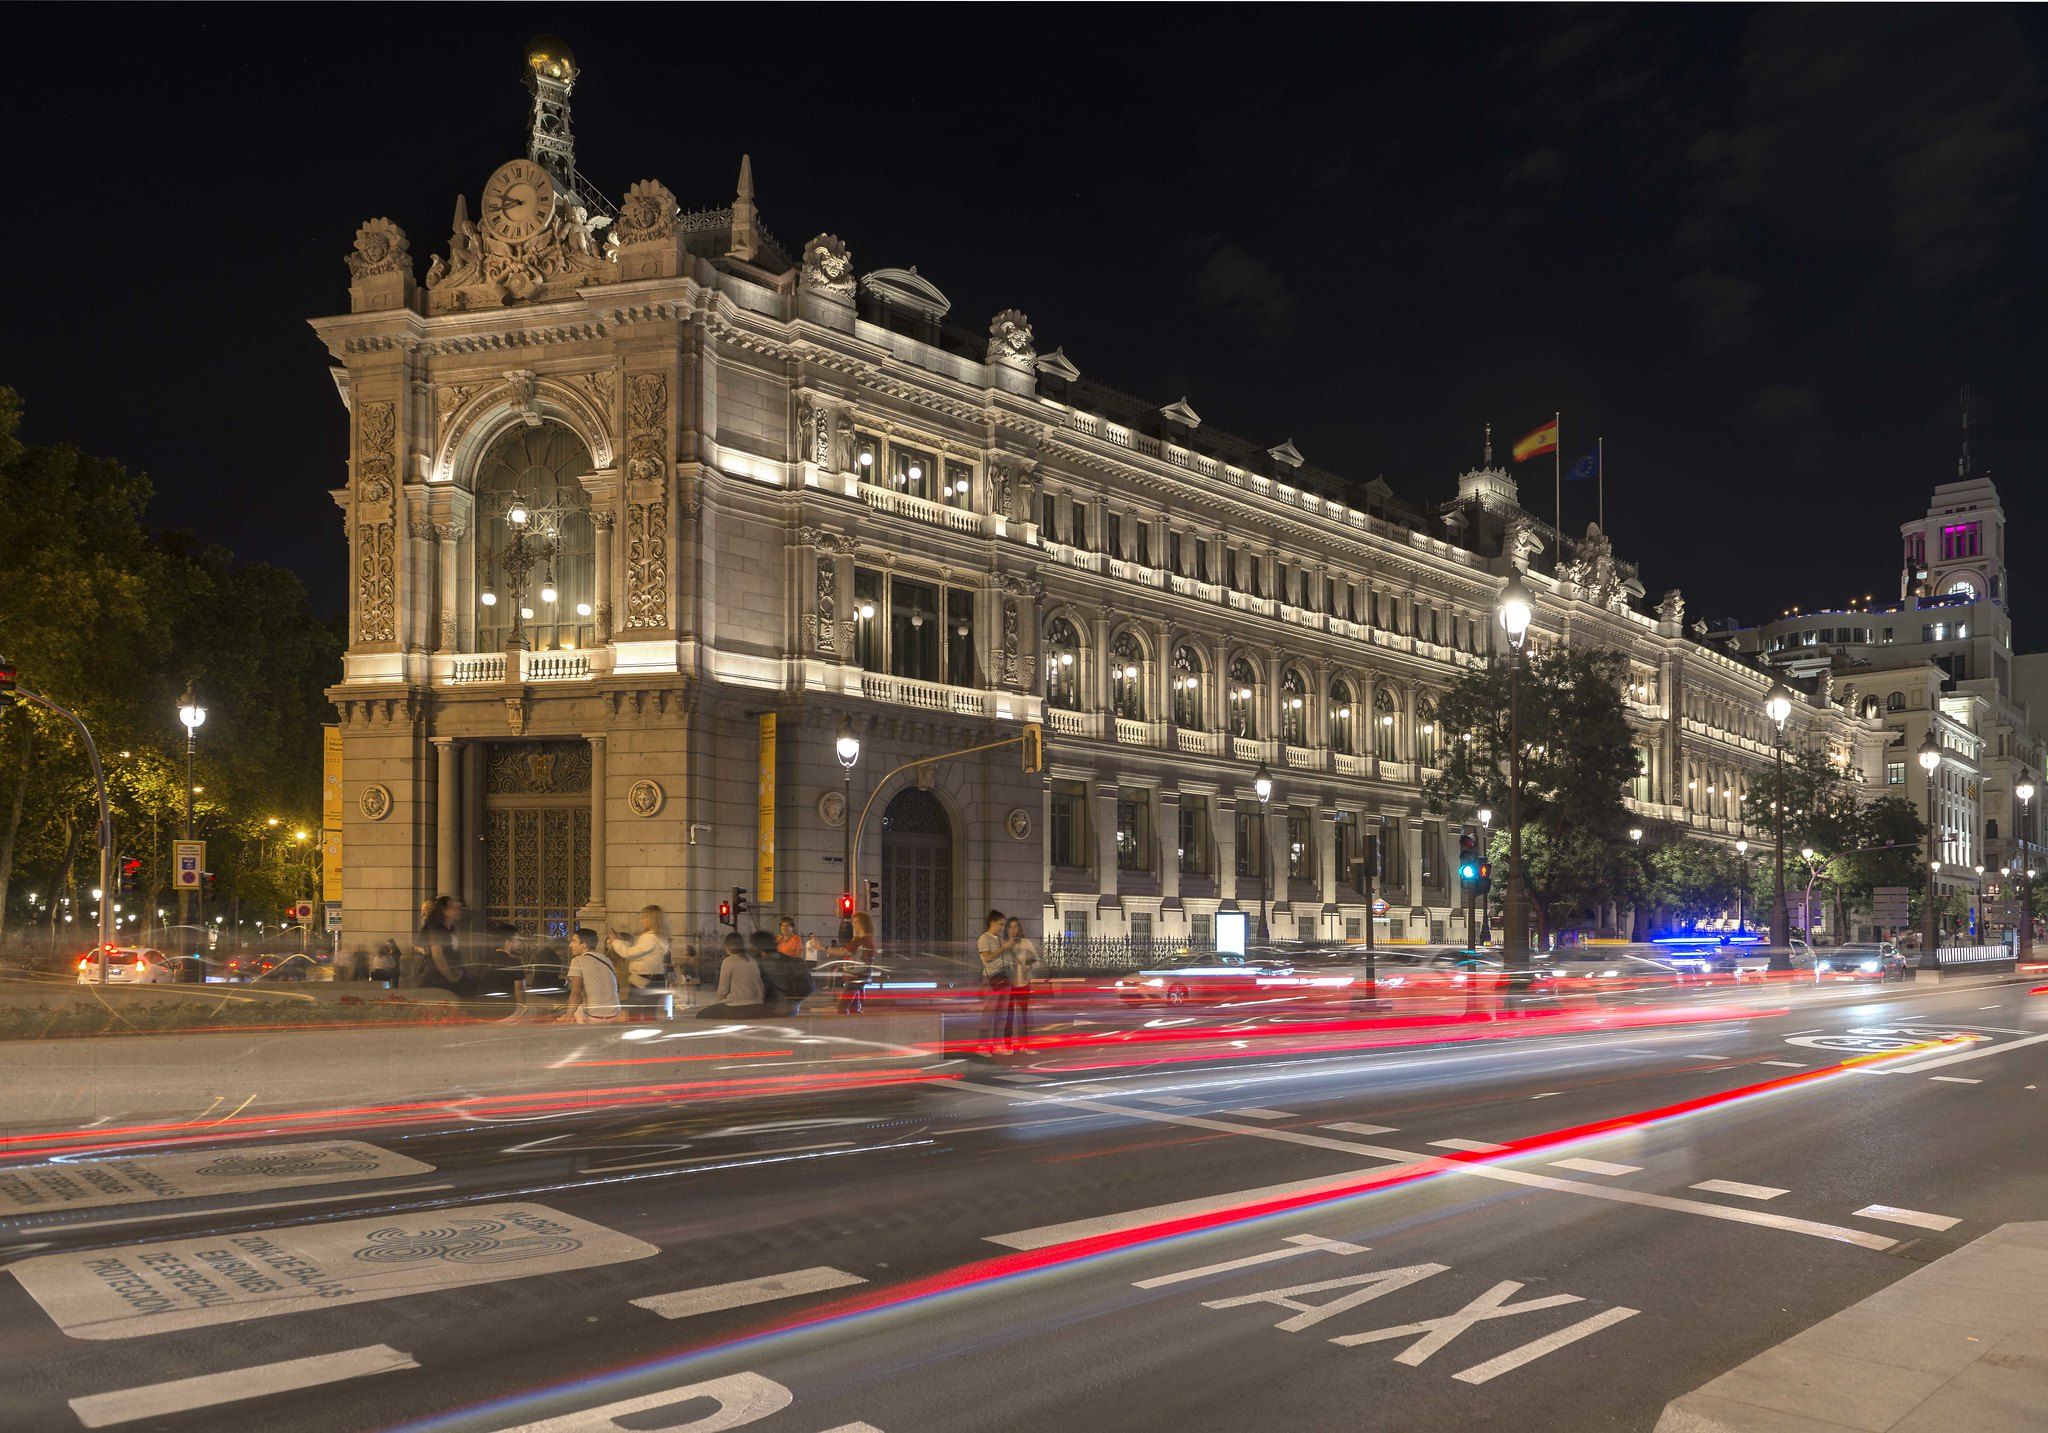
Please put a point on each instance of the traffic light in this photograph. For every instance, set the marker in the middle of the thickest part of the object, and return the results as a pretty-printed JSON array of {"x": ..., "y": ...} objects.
[
  {"x": 1034, "y": 748},
  {"x": 740, "y": 905},
  {"x": 846, "y": 905},
  {"x": 874, "y": 894},
  {"x": 725, "y": 914},
  {"x": 130, "y": 875},
  {"x": 6, "y": 683},
  {"x": 1485, "y": 881},
  {"x": 206, "y": 884},
  {"x": 1468, "y": 859}
]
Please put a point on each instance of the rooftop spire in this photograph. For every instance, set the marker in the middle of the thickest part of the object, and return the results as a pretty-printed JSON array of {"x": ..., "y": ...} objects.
[
  {"x": 746, "y": 221},
  {"x": 551, "y": 75},
  {"x": 1486, "y": 457},
  {"x": 1963, "y": 461}
]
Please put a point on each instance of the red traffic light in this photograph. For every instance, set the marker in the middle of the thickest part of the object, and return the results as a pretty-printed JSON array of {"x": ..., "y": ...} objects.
[
  {"x": 846, "y": 903},
  {"x": 725, "y": 910}
]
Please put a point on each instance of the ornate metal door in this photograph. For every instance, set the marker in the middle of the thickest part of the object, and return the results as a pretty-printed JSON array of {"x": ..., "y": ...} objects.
[
  {"x": 917, "y": 873},
  {"x": 537, "y": 835}
]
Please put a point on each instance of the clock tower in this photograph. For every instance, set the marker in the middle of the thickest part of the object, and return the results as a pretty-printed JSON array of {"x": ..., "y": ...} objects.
[{"x": 550, "y": 76}]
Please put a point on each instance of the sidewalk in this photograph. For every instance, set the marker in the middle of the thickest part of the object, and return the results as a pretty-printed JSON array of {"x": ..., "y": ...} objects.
[{"x": 1960, "y": 1346}]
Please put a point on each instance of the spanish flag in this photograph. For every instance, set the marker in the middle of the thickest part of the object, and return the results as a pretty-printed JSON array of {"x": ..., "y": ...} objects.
[{"x": 1543, "y": 440}]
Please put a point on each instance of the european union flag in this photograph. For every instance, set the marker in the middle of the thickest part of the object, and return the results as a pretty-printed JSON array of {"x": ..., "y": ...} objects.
[{"x": 1585, "y": 467}]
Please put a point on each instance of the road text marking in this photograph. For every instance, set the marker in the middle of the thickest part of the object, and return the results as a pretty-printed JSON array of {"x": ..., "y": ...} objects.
[
  {"x": 1736, "y": 1187},
  {"x": 1595, "y": 1166},
  {"x": 181, "y": 1395},
  {"x": 1914, "y": 1217},
  {"x": 141, "y": 1179},
  {"x": 1549, "y": 1343},
  {"x": 740, "y": 1293},
  {"x": 1301, "y": 1244}
]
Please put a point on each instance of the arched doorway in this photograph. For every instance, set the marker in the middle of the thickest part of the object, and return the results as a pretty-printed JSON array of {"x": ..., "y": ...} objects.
[{"x": 917, "y": 872}]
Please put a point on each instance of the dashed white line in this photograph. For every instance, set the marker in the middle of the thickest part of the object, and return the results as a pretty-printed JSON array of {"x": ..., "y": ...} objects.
[
  {"x": 710, "y": 1299},
  {"x": 1259, "y": 1114},
  {"x": 1690, "y": 1055},
  {"x": 182, "y": 1395},
  {"x": 1785, "y": 1064},
  {"x": 1547, "y": 1094},
  {"x": 1955, "y": 1079},
  {"x": 1893, "y": 1215},
  {"x": 1352, "y": 1127},
  {"x": 1176, "y": 1101},
  {"x": 1736, "y": 1187},
  {"x": 1595, "y": 1166},
  {"x": 1470, "y": 1146},
  {"x": 1049, "y": 1234},
  {"x": 1987, "y": 1007}
]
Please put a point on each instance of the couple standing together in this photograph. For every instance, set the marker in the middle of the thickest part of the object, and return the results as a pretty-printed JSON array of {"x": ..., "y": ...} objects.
[{"x": 1009, "y": 960}]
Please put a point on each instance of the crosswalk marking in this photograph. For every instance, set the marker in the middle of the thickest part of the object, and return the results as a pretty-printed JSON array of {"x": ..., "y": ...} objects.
[
  {"x": 1175, "y": 1101},
  {"x": 206, "y": 1390},
  {"x": 712, "y": 1298},
  {"x": 1470, "y": 1146},
  {"x": 1595, "y": 1166},
  {"x": 1352, "y": 1127},
  {"x": 1736, "y": 1187},
  {"x": 1955, "y": 1080},
  {"x": 1893, "y": 1215},
  {"x": 1259, "y": 1114}
]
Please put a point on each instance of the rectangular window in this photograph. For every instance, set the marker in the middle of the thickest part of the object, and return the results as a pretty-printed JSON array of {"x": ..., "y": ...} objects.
[
  {"x": 1201, "y": 560},
  {"x": 1202, "y": 930},
  {"x": 1330, "y": 596},
  {"x": 1895, "y": 773},
  {"x": 1230, "y": 568},
  {"x": 1078, "y": 536},
  {"x": 1308, "y": 600},
  {"x": 1133, "y": 830},
  {"x": 1393, "y": 869},
  {"x": 1177, "y": 553},
  {"x": 959, "y": 485},
  {"x": 867, "y": 618},
  {"x": 1432, "y": 836},
  {"x": 1280, "y": 580},
  {"x": 913, "y": 472},
  {"x": 1301, "y": 851},
  {"x": 959, "y": 637},
  {"x": 1194, "y": 835},
  {"x": 1074, "y": 925},
  {"x": 1354, "y": 928},
  {"x": 1049, "y": 518},
  {"x": 867, "y": 457},
  {"x": 1144, "y": 544},
  {"x": 1116, "y": 536},
  {"x": 914, "y": 630},
  {"x": 1432, "y": 625},
  {"x": 1960, "y": 540},
  {"x": 1141, "y": 927},
  {"x": 1067, "y": 838},
  {"x": 1251, "y": 860}
]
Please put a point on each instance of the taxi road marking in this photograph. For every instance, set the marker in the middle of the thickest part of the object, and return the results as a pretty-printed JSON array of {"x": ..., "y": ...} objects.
[
  {"x": 1955, "y": 1080},
  {"x": 181, "y": 1395},
  {"x": 742, "y": 1292},
  {"x": 1259, "y": 1114},
  {"x": 1294, "y": 1244}
]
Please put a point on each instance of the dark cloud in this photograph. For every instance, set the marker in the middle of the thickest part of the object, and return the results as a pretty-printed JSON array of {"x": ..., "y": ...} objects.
[
  {"x": 1539, "y": 167},
  {"x": 1782, "y": 403},
  {"x": 1243, "y": 289},
  {"x": 1723, "y": 308}
]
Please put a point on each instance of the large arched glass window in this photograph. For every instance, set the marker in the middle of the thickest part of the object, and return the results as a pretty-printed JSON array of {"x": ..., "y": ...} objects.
[
  {"x": 1343, "y": 719},
  {"x": 1062, "y": 664},
  {"x": 533, "y": 473},
  {"x": 1187, "y": 687},
  {"x": 1243, "y": 699},
  {"x": 1293, "y": 708},
  {"x": 1384, "y": 712},
  {"x": 1127, "y": 675},
  {"x": 1425, "y": 732}
]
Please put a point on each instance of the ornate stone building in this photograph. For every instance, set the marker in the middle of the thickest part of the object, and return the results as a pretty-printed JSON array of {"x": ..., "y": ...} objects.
[{"x": 623, "y": 481}]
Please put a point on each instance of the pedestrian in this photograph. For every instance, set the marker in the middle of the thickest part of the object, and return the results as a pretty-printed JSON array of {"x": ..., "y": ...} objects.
[
  {"x": 787, "y": 941},
  {"x": 784, "y": 976},
  {"x": 506, "y": 975},
  {"x": 995, "y": 981},
  {"x": 385, "y": 963},
  {"x": 860, "y": 958},
  {"x": 443, "y": 964},
  {"x": 645, "y": 958},
  {"x": 1022, "y": 954},
  {"x": 740, "y": 992},
  {"x": 593, "y": 984}
]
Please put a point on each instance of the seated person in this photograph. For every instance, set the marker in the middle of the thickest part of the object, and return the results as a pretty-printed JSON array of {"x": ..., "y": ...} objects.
[
  {"x": 593, "y": 984},
  {"x": 740, "y": 991}
]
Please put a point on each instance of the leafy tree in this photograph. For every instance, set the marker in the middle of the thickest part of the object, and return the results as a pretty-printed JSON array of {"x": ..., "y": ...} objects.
[
  {"x": 1858, "y": 845},
  {"x": 1577, "y": 759},
  {"x": 1695, "y": 880}
]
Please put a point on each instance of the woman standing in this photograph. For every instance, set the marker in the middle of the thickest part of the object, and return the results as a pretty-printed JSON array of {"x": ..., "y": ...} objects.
[
  {"x": 443, "y": 966},
  {"x": 645, "y": 959},
  {"x": 860, "y": 959},
  {"x": 1022, "y": 955}
]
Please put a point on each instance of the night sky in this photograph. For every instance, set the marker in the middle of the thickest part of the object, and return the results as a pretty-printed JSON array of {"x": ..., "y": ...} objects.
[{"x": 1759, "y": 251}]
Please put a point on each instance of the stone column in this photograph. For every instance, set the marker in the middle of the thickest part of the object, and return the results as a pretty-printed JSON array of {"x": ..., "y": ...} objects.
[
  {"x": 602, "y": 524},
  {"x": 1105, "y": 848},
  {"x": 1097, "y": 675},
  {"x": 1223, "y": 828},
  {"x": 1417, "y": 831},
  {"x": 593, "y": 914},
  {"x": 1169, "y": 850},
  {"x": 447, "y": 816},
  {"x": 1278, "y": 878},
  {"x": 473, "y": 852},
  {"x": 446, "y": 536},
  {"x": 1328, "y": 833}
]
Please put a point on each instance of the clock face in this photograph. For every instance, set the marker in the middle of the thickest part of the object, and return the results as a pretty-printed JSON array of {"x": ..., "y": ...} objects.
[{"x": 519, "y": 201}]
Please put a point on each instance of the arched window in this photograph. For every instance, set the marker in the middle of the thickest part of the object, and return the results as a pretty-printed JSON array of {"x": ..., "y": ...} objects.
[
  {"x": 1243, "y": 699},
  {"x": 1062, "y": 664},
  {"x": 1127, "y": 675},
  {"x": 1425, "y": 732},
  {"x": 1384, "y": 711},
  {"x": 1187, "y": 687},
  {"x": 532, "y": 473},
  {"x": 1343, "y": 720},
  {"x": 1293, "y": 708},
  {"x": 1870, "y": 706},
  {"x": 1895, "y": 701}
]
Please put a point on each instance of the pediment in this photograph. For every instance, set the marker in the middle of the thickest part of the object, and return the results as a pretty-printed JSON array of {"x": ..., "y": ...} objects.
[
  {"x": 1179, "y": 412},
  {"x": 1058, "y": 365},
  {"x": 1287, "y": 453},
  {"x": 907, "y": 289}
]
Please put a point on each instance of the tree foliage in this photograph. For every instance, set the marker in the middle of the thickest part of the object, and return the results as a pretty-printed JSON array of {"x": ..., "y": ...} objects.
[
  {"x": 1578, "y": 756},
  {"x": 1695, "y": 880},
  {"x": 1825, "y": 811},
  {"x": 106, "y": 616}
]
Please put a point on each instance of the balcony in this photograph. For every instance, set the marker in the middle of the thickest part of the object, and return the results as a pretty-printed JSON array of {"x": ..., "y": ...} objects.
[
  {"x": 1351, "y": 765},
  {"x": 1198, "y": 743},
  {"x": 931, "y": 696},
  {"x": 1246, "y": 748},
  {"x": 470, "y": 669},
  {"x": 1130, "y": 732},
  {"x": 1305, "y": 758},
  {"x": 1072, "y": 723},
  {"x": 922, "y": 510}
]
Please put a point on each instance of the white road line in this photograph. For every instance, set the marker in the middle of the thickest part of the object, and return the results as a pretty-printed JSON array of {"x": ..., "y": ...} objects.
[
  {"x": 1259, "y": 1114},
  {"x": 1547, "y": 1094},
  {"x": 1785, "y": 1064},
  {"x": 1550, "y": 1343},
  {"x": 713, "y": 1297},
  {"x": 1692, "y": 1055},
  {"x": 1020, "y": 1078},
  {"x": 1982, "y": 1053},
  {"x": 1955, "y": 1079},
  {"x": 1987, "y": 1007},
  {"x": 1177, "y": 1101},
  {"x": 1471, "y": 1146},
  {"x": 1738, "y": 1188},
  {"x": 1351, "y": 1127},
  {"x": 1047, "y": 1234},
  {"x": 161, "y": 1215},
  {"x": 1595, "y": 1166},
  {"x": 1406, "y": 1160},
  {"x": 1892, "y": 1215},
  {"x": 182, "y": 1395}
]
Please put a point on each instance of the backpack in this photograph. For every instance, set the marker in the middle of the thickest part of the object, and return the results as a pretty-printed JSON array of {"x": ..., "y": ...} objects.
[{"x": 787, "y": 977}]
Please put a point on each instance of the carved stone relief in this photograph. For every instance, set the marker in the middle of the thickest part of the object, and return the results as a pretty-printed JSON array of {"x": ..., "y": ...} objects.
[
  {"x": 828, "y": 267},
  {"x": 537, "y": 768},
  {"x": 377, "y": 461},
  {"x": 376, "y": 583},
  {"x": 381, "y": 248},
  {"x": 648, "y": 215},
  {"x": 828, "y": 602},
  {"x": 1013, "y": 660},
  {"x": 1009, "y": 339},
  {"x": 647, "y": 500}
]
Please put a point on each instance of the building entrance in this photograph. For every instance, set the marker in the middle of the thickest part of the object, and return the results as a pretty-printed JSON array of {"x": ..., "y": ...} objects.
[
  {"x": 537, "y": 835},
  {"x": 917, "y": 872}
]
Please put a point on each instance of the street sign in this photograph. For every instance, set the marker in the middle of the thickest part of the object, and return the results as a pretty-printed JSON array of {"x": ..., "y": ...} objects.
[
  {"x": 333, "y": 918},
  {"x": 303, "y": 911},
  {"x": 1379, "y": 906},
  {"x": 188, "y": 865}
]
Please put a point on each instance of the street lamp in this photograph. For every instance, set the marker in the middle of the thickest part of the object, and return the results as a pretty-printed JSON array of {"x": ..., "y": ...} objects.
[
  {"x": 1262, "y": 784},
  {"x": 1977, "y": 907},
  {"x": 1741, "y": 883},
  {"x": 1930, "y": 758},
  {"x": 1778, "y": 706},
  {"x": 848, "y": 749},
  {"x": 2025, "y": 791},
  {"x": 1514, "y": 611},
  {"x": 193, "y": 716}
]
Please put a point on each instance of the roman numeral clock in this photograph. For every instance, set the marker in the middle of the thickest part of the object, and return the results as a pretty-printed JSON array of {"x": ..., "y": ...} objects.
[{"x": 519, "y": 202}]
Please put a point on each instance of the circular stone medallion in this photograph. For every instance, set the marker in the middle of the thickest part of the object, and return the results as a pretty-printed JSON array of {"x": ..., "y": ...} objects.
[
  {"x": 645, "y": 798},
  {"x": 375, "y": 802}
]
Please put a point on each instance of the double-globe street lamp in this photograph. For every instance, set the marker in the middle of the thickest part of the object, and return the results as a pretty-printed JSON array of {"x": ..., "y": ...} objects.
[
  {"x": 1778, "y": 706},
  {"x": 1515, "y": 610},
  {"x": 1930, "y": 759},
  {"x": 848, "y": 749},
  {"x": 1262, "y": 785},
  {"x": 193, "y": 716},
  {"x": 1741, "y": 882}
]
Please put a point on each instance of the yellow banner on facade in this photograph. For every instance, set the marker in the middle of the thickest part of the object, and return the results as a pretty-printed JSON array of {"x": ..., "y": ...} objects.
[
  {"x": 764, "y": 819},
  {"x": 330, "y": 814}
]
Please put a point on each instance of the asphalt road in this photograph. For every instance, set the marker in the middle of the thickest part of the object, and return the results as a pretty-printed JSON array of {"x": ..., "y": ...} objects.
[{"x": 1272, "y": 1226}]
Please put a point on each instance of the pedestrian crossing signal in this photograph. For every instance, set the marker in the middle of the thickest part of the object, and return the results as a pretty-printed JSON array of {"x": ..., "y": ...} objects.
[
  {"x": 725, "y": 914},
  {"x": 1034, "y": 748},
  {"x": 845, "y": 905},
  {"x": 1468, "y": 859}
]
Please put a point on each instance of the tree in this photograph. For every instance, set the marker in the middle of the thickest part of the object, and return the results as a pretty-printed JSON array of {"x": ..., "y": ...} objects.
[
  {"x": 1858, "y": 844},
  {"x": 1695, "y": 880},
  {"x": 1578, "y": 756}
]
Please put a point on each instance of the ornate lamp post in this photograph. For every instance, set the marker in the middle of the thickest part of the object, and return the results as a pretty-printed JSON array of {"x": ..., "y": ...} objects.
[
  {"x": 1930, "y": 759},
  {"x": 2025, "y": 791},
  {"x": 193, "y": 716},
  {"x": 1515, "y": 610},
  {"x": 1778, "y": 706},
  {"x": 1262, "y": 783},
  {"x": 1741, "y": 883},
  {"x": 848, "y": 749}
]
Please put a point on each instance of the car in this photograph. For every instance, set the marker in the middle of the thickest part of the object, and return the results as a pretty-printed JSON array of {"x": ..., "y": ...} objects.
[
  {"x": 1866, "y": 960},
  {"x": 1207, "y": 977},
  {"x": 126, "y": 965}
]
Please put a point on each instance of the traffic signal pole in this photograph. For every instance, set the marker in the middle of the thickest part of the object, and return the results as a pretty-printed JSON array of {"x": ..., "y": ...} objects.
[
  {"x": 106, "y": 831},
  {"x": 1031, "y": 740}
]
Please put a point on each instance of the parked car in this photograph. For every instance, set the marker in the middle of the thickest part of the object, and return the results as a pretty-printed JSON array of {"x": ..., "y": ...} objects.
[
  {"x": 1863, "y": 960},
  {"x": 126, "y": 965}
]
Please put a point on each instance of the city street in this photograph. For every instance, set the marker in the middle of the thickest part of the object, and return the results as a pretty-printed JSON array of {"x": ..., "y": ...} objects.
[{"x": 1566, "y": 1220}]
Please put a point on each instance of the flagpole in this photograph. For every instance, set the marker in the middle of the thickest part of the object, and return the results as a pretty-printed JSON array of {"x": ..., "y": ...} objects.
[
  {"x": 1600, "y": 468},
  {"x": 1557, "y": 465}
]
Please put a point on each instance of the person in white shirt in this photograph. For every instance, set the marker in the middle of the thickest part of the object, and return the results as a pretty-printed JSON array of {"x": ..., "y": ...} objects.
[
  {"x": 645, "y": 959},
  {"x": 593, "y": 984}
]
